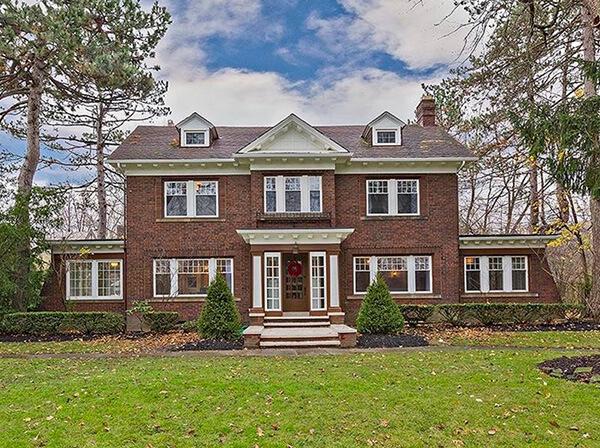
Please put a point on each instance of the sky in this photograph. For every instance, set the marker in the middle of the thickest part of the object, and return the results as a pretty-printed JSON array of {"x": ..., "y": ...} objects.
[{"x": 253, "y": 62}]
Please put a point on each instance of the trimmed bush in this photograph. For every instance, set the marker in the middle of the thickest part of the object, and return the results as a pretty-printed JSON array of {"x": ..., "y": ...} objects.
[
  {"x": 378, "y": 312},
  {"x": 574, "y": 312},
  {"x": 161, "y": 321},
  {"x": 454, "y": 314},
  {"x": 57, "y": 322},
  {"x": 190, "y": 326},
  {"x": 220, "y": 318},
  {"x": 491, "y": 313},
  {"x": 417, "y": 314}
]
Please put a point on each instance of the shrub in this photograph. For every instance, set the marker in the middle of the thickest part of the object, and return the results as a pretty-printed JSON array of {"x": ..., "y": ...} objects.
[
  {"x": 220, "y": 318},
  {"x": 416, "y": 314},
  {"x": 490, "y": 313},
  {"x": 551, "y": 311},
  {"x": 190, "y": 326},
  {"x": 378, "y": 313},
  {"x": 524, "y": 313},
  {"x": 454, "y": 313},
  {"x": 574, "y": 312},
  {"x": 162, "y": 321},
  {"x": 56, "y": 322}
]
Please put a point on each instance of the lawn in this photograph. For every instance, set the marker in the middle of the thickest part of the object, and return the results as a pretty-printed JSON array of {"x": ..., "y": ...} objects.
[{"x": 433, "y": 398}]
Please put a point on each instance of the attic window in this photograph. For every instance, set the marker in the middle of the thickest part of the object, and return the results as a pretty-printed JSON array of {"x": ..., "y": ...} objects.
[
  {"x": 386, "y": 137},
  {"x": 195, "y": 138}
]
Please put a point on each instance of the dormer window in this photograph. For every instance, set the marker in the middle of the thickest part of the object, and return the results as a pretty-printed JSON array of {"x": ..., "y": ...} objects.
[
  {"x": 386, "y": 136},
  {"x": 195, "y": 138}
]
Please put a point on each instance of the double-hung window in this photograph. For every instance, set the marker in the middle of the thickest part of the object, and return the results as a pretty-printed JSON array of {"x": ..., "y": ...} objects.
[
  {"x": 195, "y": 138},
  {"x": 288, "y": 194},
  {"x": 496, "y": 273},
  {"x": 386, "y": 137},
  {"x": 94, "y": 279},
  {"x": 403, "y": 274},
  {"x": 190, "y": 276},
  {"x": 392, "y": 197},
  {"x": 192, "y": 198}
]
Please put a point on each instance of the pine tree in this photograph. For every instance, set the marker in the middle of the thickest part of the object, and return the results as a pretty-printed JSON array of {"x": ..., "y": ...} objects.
[
  {"x": 220, "y": 318},
  {"x": 378, "y": 313}
]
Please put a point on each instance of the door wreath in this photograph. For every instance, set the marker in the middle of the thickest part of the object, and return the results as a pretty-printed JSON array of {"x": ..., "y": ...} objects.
[{"x": 294, "y": 269}]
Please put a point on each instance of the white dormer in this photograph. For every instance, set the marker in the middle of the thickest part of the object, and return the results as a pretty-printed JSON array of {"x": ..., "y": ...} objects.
[
  {"x": 196, "y": 131},
  {"x": 386, "y": 130}
]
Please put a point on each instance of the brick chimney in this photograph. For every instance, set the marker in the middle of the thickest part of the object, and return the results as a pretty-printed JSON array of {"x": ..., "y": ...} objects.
[{"x": 426, "y": 111}]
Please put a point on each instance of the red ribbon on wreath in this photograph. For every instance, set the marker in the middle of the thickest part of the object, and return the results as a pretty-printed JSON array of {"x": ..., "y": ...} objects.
[{"x": 294, "y": 269}]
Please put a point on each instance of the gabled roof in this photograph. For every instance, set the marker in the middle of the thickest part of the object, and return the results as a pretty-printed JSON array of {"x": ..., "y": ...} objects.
[
  {"x": 292, "y": 121},
  {"x": 383, "y": 115},
  {"x": 196, "y": 116}
]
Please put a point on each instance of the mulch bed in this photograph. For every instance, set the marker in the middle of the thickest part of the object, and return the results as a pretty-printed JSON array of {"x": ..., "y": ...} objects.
[
  {"x": 583, "y": 369},
  {"x": 209, "y": 344},
  {"x": 390, "y": 340}
]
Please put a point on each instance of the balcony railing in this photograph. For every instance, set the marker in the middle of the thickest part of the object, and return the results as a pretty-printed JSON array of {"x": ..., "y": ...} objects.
[{"x": 293, "y": 216}]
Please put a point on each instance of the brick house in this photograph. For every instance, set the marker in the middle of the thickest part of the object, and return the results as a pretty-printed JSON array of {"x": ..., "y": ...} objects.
[{"x": 299, "y": 218}]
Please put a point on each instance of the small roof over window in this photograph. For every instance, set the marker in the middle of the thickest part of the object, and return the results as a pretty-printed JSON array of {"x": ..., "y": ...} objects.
[
  {"x": 385, "y": 130},
  {"x": 196, "y": 131}
]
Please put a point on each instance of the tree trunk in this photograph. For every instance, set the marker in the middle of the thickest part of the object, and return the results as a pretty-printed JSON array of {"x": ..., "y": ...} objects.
[
  {"x": 563, "y": 204},
  {"x": 589, "y": 54},
  {"x": 101, "y": 174},
  {"x": 534, "y": 198},
  {"x": 25, "y": 184}
]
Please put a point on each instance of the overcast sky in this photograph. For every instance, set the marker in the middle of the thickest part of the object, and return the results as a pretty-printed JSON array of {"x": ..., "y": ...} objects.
[{"x": 252, "y": 62}]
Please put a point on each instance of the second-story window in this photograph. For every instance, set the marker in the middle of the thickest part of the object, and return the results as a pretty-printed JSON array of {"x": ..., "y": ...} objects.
[
  {"x": 192, "y": 199},
  {"x": 393, "y": 197},
  {"x": 288, "y": 194}
]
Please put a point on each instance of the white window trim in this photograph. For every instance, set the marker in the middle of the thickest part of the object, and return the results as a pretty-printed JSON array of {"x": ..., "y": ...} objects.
[
  {"x": 304, "y": 194},
  {"x": 276, "y": 255},
  {"x": 323, "y": 255},
  {"x": 193, "y": 131},
  {"x": 485, "y": 274},
  {"x": 393, "y": 197},
  {"x": 94, "y": 295},
  {"x": 384, "y": 129},
  {"x": 190, "y": 199},
  {"x": 173, "y": 272},
  {"x": 411, "y": 273}
]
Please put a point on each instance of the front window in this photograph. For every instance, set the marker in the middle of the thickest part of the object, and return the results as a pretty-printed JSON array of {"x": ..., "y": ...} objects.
[
  {"x": 386, "y": 136},
  {"x": 393, "y": 197},
  {"x": 317, "y": 280},
  {"x": 496, "y": 273},
  {"x": 190, "y": 276},
  {"x": 94, "y": 279},
  {"x": 273, "y": 281},
  {"x": 403, "y": 274},
  {"x": 300, "y": 194},
  {"x": 195, "y": 138},
  {"x": 192, "y": 198}
]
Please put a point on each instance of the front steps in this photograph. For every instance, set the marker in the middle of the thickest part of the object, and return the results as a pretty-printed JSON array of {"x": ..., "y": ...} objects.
[{"x": 299, "y": 331}]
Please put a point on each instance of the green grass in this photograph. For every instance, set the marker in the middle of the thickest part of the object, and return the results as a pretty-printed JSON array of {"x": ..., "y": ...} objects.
[
  {"x": 546, "y": 339},
  {"x": 22, "y": 348},
  {"x": 436, "y": 398}
]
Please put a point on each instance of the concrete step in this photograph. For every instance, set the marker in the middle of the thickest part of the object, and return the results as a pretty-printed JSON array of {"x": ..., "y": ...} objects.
[
  {"x": 299, "y": 344},
  {"x": 298, "y": 333},
  {"x": 316, "y": 323}
]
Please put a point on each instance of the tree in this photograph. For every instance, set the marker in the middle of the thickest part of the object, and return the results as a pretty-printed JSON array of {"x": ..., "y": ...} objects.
[
  {"x": 378, "y": 312},
  {"x": 220, "y": 318},
  {"x": 52, "y": 50}
]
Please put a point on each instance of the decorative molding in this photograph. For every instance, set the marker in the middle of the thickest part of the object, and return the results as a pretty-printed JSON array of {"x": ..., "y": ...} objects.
[
  {"x": 294, "y": 236},
  {"x": 505, "y": 241},
  {"x": 93, "y": 246}
]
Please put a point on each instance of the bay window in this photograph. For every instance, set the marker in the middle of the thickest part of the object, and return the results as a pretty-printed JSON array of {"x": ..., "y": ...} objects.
[
  {"x": 94, "y": 279},
  {"x": 189, "y": 277},
  {"x": 403, "y": 274},
  {"x": 288, "y": 194},
  {"x": 506, "y": 273},
  {"x": 192, "y": 198},
  {"x": 393, "y": 197}
]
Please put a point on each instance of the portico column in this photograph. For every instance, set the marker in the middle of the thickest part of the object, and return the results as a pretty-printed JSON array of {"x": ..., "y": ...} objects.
[
  {"x": 257, "y": 282},
  {"x": 334, "y": 297}
]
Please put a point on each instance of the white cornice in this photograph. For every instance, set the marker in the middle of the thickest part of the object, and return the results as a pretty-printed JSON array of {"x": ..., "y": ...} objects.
[
  {"x": 91, "y": 246},
  {"x": 505, "y": 241},
  {"x": 294, "y": 236}
]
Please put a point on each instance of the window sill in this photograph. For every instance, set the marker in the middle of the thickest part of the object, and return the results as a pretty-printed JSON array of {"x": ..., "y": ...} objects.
[
  {"x": 424, "y": 295},
  {"x": 182, "y": 299},
  {"x": 191, "y": 219},
  {"x": 393, "y": 217},
  {"x": 491, "y": 295},
  {"x": 93, "y": 300},
  {"x": 293, "y": 216}
]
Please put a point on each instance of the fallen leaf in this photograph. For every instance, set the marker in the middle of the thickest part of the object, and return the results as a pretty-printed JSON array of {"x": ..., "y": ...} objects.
[
  {"x": 554, "y": 423},
  {"x": 260, "y": 432},
  {"x": 492, "y": 431},
  {"x": 384, "y": 423}
]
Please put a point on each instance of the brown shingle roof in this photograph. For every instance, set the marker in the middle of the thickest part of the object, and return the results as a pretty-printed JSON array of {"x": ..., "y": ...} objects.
[{"x": 161, "y": 143}]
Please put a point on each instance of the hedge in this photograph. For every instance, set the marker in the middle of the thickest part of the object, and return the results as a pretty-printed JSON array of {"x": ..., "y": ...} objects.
[
  {"x": 417, "y": 314},
  {"x": 60, "y": 322},
  {"x": 161, "y": 321}
]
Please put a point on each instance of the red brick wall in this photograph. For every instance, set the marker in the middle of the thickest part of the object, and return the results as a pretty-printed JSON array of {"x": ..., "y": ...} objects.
[
  {"x": 541, "y": 282},
  {"x": 434, "y": 232},
  {"x": 55, "y": 289}
]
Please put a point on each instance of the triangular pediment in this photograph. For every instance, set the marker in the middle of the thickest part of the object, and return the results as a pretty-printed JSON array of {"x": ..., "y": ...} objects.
[{"x": 293, "y": 136}]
